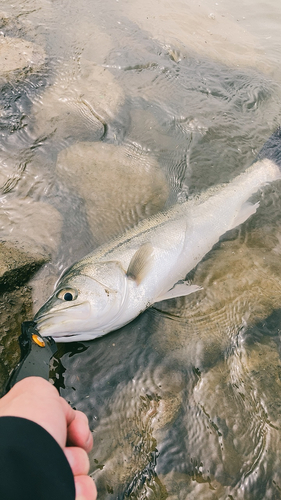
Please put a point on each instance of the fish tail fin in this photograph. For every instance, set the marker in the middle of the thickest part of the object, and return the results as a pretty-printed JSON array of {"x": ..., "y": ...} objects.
[{"x": 271, "y": 150}]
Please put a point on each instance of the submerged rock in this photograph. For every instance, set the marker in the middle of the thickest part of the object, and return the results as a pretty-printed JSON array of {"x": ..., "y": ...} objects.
[
  {"x": 32, "y": 225},
  {"x": 19, "y": 57},
  {"x": 137, "y": 415},
  {"x": 243, "y": 418},
  {"x": 194, "y": 28},
  {"x": 29, "y": 233},
  {"x": 10, "y": 171},
  {"x": 15, "y": 307},
  {"x": 97, "y": 42},
  {"x": 17, "y": 266},
  {"x": 16, "y": 269},
  {"x": 78, "y": 107},
  {"x": 121, "y": 185}
]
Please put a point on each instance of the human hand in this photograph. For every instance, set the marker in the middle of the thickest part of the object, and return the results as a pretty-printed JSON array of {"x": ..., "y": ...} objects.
[{"x": 36, "y": 399}]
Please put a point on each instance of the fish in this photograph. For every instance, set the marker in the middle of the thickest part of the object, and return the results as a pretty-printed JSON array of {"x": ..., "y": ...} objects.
[{"x": 116, "y": 282}]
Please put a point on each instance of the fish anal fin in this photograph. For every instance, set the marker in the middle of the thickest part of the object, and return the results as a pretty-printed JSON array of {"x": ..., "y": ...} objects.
[
  {"x": 245, "y": 212},
  {"x": 141, "y": 263},
  {"x": 179, "y": 290}
]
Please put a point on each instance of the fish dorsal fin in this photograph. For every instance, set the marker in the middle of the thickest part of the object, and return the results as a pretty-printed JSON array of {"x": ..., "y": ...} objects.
[
  {"x": 179, "y": 290},
  {"x": 141, "y": 263}
]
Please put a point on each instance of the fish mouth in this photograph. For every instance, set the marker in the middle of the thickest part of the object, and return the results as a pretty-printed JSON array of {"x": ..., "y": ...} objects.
[
  {"x": 75, "y": 337},
  {"x": 47, "y": 315},
  {"x": 61, "y": 323},
  {"x": 65, "y": 335}
]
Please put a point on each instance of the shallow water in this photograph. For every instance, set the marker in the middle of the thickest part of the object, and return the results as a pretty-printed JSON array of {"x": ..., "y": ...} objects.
[{"x": 184, "y": 402}]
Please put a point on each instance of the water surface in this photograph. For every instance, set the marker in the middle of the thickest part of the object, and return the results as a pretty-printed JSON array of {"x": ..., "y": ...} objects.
[{"x": 184, "y": 402}]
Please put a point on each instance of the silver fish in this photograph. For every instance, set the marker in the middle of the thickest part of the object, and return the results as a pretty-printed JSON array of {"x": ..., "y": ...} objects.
[{"x": 112, "y": 285}]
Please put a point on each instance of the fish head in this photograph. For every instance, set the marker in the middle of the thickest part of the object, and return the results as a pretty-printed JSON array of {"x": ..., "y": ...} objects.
[{"x": 86, "y": 303}]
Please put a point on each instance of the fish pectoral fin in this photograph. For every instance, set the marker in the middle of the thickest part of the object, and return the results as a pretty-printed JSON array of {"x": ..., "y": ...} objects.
[
  {"x": 179, "y": 290},
  {"x": 141, "y": 263},
  {"x": 244, "y": 213}
]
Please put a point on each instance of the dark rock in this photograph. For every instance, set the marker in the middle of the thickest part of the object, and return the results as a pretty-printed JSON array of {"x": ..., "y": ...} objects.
[
  {"x": 15, "y": 307},
  {"x": 17, "y": 266}
]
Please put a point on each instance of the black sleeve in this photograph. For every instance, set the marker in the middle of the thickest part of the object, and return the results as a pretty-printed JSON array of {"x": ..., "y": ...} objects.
[{"x": 32, "y": 464}]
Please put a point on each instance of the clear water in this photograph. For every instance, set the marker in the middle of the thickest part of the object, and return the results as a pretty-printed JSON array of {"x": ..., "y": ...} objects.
[{"x": 184, "y": 402}]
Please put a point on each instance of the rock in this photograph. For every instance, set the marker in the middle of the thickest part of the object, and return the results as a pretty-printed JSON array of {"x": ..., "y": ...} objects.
[
  {"x": 18, "y": 57},
  {"x": 9, "y": 172},
  {"x": 78, "y": 107},
  {"x": 34, "y": 226},
  {"x": 121, "y": 185},
  {"x": 242, "y": 409},
  {"x": 30, "y": 233},
  {"x": 15, "y": 307},
  {"x": 64, "y": 112},
  {"x": 170, "y": 141},
  {"x": 96, "y": 43},
  {"x": 185, "y": 29},
  {"x": 16, "y": 269},
  {"x": 16, "y": 266},
  {"x": 102, "y": 90},
  {"x": 140, "y": 409}
]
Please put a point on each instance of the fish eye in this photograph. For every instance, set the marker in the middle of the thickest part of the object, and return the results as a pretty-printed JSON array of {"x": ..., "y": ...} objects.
[{"x": 67, "y": 294}]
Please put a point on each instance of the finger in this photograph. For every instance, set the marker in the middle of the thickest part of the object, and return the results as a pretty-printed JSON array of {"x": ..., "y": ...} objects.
[
  {"x": 33, "y": 386},
  {"x": 85, "y": 488},
  {"x": 78, "y": 432},
  {"x": 68, "y": 411},
  {"x": 78, "y": 460}
]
